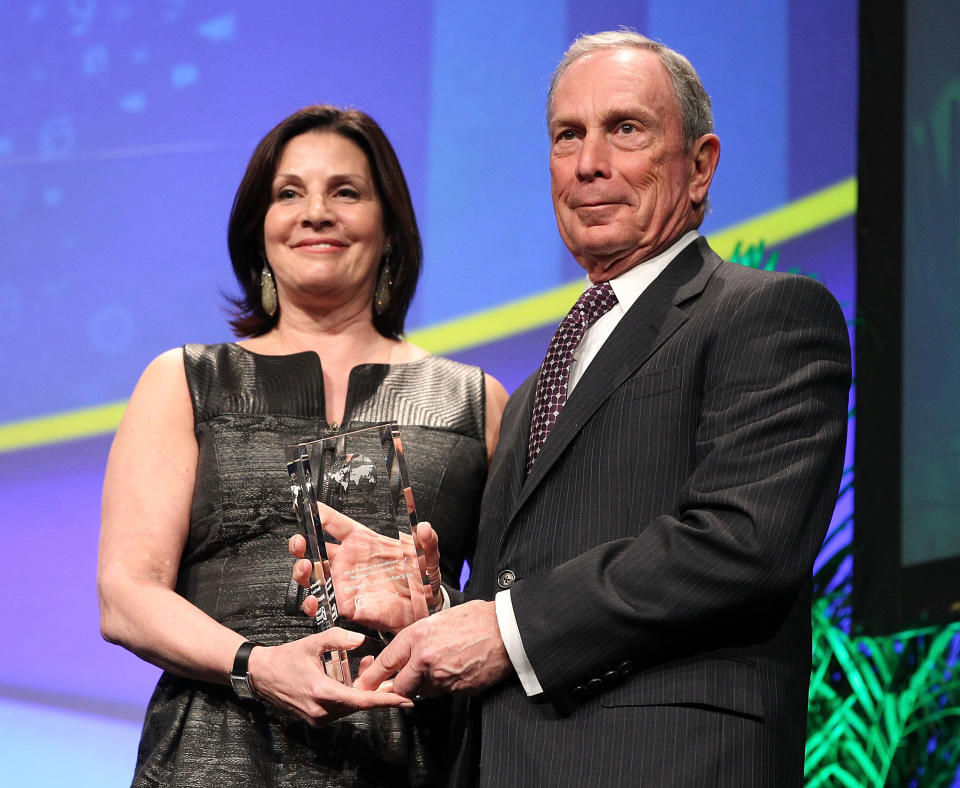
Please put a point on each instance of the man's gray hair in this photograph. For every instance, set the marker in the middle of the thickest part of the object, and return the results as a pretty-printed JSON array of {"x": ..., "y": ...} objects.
[{"x": 696, "y": 116}]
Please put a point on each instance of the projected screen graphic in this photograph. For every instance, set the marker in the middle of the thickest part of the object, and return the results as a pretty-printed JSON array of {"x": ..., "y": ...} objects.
[
  {"x": 931, "y": 294},
  {"x": 124, "y": 131}
]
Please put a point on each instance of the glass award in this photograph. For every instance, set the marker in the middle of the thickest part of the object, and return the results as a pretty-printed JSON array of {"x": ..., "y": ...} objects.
[{"x": 369, "y": 572}]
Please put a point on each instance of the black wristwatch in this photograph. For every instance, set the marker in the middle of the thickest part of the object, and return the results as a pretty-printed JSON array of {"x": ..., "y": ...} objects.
[{"x": 240, "y": 676}]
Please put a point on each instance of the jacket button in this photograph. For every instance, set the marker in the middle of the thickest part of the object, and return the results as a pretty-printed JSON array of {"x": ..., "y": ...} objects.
[
  {"x": 594, "y": 685},
  {"x": 578, "y": 692},
  {"x": 626, "y": 668},
  {"x": 505, "y": 578},
  {"x": 611, "y": 677}
]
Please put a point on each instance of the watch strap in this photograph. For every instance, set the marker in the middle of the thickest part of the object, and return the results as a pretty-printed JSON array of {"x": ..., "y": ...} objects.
[{"x": 240, "y": 675}]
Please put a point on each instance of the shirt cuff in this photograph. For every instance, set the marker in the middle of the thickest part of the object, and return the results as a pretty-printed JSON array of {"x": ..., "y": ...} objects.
[
  {"x": 510, "y": 634},
  {"x": 445, "y": 603}
]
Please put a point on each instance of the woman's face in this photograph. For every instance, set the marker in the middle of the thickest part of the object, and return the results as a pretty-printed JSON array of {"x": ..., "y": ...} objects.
[{"x": 323, "y": 232}]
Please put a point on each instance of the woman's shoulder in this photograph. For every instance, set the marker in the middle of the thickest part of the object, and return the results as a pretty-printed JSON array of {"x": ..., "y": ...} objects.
[
  {"x": 193, "y": 371},
  {"x": 163, "y": 371},
  {"x": 161, "y": 390}
]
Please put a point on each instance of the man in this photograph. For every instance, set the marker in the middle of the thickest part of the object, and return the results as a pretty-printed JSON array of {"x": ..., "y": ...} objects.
[{"x": 641, "y": 594}]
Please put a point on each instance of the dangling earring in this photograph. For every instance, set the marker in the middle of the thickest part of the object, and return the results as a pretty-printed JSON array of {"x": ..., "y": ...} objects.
[
  {"x": 268, "y": 291},
  {"x": 381, "y": 296}
]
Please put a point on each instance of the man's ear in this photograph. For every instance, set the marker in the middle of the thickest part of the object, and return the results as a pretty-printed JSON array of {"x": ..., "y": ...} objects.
[{"x": 704, "y": 155}]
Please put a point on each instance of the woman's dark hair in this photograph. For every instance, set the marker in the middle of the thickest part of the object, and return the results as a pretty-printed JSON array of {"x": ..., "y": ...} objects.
[{"x": 245, "y": 231}]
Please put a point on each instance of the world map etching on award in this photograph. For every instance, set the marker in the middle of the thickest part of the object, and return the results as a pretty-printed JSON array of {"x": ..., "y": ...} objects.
[{"x": 356, "y": 476}]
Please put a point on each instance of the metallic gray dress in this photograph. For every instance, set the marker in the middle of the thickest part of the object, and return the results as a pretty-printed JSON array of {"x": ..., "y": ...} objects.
[{"x": 236, "y": 568}]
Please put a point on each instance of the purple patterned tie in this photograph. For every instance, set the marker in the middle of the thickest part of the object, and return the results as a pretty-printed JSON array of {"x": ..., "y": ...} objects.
[{"x": 552, "y": 384}]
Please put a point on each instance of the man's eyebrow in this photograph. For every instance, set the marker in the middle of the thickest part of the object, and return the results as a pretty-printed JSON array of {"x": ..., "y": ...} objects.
[
  {"x": 564, "y": 120},
  {"x": 621, "y": 112},
  {"x": 628, "y": 111}
]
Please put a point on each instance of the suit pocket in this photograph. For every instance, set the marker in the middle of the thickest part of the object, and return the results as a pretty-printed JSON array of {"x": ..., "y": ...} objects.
[
  {"x": 718, "y": 682},
  {"x": 654, "y": 382}
]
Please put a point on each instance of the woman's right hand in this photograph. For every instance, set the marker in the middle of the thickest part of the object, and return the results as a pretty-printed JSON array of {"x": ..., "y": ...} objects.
[{"x": 291, "y": 676}]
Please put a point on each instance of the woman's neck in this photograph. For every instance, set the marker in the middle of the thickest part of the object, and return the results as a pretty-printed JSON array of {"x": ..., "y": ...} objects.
[{"x": 342, "y": 340}]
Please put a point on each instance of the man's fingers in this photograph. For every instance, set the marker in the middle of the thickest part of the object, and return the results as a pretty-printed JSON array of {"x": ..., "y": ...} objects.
[
  {"x": 310, "y": 605},
  {"x": 390, "y": 660},
  {"x": 409, "y": 682},
  {"x": 373, "y": 677},
  {"x": 366, "y": 662}
]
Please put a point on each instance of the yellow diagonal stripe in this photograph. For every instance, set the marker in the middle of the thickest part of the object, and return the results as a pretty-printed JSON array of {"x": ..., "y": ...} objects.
[
  {"x": 71, "y": 424},
  {"x": 791, "y": 220},
  {"x": 480, "y": 328},
  {"x": 487, "y": 326}
]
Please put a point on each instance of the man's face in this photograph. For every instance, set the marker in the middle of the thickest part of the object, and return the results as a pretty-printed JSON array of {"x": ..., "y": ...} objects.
[{"x": 624, "y": 188}]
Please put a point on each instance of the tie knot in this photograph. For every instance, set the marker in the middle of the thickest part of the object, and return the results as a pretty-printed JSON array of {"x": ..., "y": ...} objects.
[{"x": 595, "y": 302}]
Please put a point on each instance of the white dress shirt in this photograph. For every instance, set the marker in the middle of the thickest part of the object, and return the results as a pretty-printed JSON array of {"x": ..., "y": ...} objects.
[{"x": 627, "y": 287}]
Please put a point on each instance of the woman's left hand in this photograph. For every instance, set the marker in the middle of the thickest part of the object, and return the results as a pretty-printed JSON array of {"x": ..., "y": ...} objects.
[
  {"x": 291, "y": 676},
  {"x": 373, "y": 574}
]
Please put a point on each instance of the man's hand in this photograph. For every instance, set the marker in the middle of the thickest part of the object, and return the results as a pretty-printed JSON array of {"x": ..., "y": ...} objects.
[
  {"x": 457, "y": 650},
  {"x": 379, "y": 598}
]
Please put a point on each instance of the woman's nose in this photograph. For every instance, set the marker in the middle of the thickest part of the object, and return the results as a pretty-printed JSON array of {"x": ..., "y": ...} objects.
[{"x": 316, "y": 211}]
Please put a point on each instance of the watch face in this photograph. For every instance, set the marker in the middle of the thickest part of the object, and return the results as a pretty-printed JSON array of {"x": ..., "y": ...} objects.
[{"x": 241, "y": 686}]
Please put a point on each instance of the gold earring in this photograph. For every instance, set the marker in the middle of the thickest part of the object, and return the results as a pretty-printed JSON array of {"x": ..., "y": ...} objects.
[
  {"x": 381, "y": 299},
  {"x": 268, "y": 291},
  {"x": 381, "y": 296}
]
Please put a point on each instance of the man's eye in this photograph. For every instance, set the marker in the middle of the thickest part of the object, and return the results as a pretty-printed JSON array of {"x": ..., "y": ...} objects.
[
  {"x": 627, "y": 128},
  {"x": 566, "y": 135}
]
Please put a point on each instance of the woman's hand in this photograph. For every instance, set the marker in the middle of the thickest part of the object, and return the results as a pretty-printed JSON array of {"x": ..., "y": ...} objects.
[
  {"x": 292, "y": 677},
  {"x": 373, "y": 574}
]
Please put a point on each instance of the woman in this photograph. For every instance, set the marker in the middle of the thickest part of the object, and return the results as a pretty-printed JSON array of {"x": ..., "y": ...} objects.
[{"x": 196, "y": 506}]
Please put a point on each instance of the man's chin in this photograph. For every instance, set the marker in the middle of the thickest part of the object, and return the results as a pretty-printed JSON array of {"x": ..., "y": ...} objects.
[
  {"x": 601, "y": 250},
  {"x": 601, "y": 266}
]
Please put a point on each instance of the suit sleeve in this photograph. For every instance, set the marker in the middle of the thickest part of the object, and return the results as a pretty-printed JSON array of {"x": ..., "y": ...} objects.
[{"x": 724, "y": 567}]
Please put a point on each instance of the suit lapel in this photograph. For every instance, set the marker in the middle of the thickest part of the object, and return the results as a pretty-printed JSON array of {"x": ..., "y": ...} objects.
[{"x": 652, "y": 319}]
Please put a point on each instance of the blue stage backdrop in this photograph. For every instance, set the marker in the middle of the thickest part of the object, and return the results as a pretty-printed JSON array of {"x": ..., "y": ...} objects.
[{"x": 124, "y": 130}]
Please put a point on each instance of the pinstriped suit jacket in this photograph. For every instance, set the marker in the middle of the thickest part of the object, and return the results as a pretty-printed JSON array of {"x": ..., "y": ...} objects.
[{"x": 664, "y": 540}]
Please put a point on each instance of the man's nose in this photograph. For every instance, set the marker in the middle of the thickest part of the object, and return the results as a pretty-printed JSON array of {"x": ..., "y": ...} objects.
[{"x": 594, "y": 158}]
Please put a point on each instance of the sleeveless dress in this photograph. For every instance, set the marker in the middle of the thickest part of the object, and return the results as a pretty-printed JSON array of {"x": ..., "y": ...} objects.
[{"x": 236, "y": 568}]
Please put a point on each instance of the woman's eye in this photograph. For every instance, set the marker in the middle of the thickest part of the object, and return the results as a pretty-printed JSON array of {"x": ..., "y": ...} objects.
[
  {"x": 286, "y": 194},
  {"x": 348, "y": 193}
]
